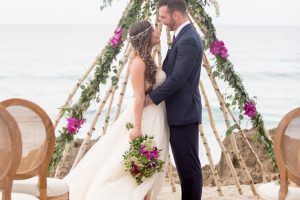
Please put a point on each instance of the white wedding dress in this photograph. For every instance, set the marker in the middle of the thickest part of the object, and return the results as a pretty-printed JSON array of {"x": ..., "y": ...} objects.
[{"x": 100, "y": 174}]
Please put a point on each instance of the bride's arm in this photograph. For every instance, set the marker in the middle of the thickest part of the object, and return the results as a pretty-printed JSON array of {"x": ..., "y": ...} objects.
[{"x": 137, "y": 73}]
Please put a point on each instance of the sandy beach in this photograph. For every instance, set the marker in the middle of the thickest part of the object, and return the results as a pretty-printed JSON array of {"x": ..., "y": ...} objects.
[{"x": 209, "y": 193}]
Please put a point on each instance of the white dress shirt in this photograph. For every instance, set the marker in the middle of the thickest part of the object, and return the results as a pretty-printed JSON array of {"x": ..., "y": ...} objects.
[{"x": 180, "y": 28}]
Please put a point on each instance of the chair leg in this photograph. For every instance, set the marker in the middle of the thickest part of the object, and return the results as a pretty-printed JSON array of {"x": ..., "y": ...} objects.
[
  {"x": 43, "y": 187},
  {"x": 6, "y": 192},
  {"x": 283, "y": 186}
]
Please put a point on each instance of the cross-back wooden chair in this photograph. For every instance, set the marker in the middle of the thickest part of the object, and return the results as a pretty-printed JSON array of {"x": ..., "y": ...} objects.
[
  {"x": 287, "y": 155},
  {"x": 10, "y": 155},
  {"x": 38, "y": 139},
  {"x": 287, "y": 151}
]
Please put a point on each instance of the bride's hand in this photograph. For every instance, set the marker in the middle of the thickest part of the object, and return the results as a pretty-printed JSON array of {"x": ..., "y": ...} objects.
[{"x": 135, "y": 133}]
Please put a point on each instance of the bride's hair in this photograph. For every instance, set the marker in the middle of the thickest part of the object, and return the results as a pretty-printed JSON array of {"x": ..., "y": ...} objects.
[{"x": 140, "y": 36}]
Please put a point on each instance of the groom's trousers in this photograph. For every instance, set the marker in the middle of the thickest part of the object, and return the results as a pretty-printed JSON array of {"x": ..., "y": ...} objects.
[{"x": 184, "y": 141}]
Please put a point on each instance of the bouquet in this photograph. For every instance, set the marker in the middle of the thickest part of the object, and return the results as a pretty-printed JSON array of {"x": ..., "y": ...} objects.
[{"x": 142, "y": 158}]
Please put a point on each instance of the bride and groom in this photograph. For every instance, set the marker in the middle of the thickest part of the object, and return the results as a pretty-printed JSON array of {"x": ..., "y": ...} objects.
[{"x": 166, "y": 105}]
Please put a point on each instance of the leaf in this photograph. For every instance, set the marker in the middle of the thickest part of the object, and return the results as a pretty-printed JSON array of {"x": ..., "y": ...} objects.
[
  {"x": 129, "y": 125},
  {"x": 241, "y": 117},
  {"x": 215, "y": 74},
  {"x": 231, "y": 129}
]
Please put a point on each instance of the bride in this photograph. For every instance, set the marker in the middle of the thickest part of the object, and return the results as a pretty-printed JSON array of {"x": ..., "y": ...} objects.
[{"x": 100, "y": 174}]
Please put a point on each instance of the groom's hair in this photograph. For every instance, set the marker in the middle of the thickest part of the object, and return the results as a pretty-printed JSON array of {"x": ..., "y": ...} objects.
[
  {"x": 174, "y": 5},
  {"x": 162, "y": 3}
]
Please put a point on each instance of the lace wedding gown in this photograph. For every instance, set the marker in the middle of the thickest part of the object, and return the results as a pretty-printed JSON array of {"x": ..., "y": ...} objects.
[{"x": 100, "y": 174}]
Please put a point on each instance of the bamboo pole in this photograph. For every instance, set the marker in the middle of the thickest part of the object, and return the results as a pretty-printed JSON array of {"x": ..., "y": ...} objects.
[
  {"x": 107, "y": 116},
  {"x": 213, "y": 169},
  {"x": 216, "y": 134},
  {"x": 248, "y": 143},
  {"x": 157, "y": 48},
  {"x": 227, "y": 122},
  {"x": 147, "y": 11},
  {"x": 196, "y": 19},
  {"x": 122, "y": 93},
  {"x": 170, "y": 175},
  {"x": 67, "y": 150},
  {"x": 159, "y": 56},
  {"x": 113, "y": 94},
  {"x": 169, "y": 40},
  {"x": 85, "y": 143}
]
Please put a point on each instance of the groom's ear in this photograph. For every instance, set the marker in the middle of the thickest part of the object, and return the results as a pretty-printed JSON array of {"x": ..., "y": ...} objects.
[{"x": 175, "y": 14}]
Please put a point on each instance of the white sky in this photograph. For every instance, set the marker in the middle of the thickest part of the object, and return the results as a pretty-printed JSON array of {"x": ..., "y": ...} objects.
[{"x": 233, "y": 12}]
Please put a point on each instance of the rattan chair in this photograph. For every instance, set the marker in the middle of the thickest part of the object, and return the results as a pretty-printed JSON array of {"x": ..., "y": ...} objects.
[
  {"x": 10, "y": 155},
  {"x": 38, "y": 141},
  {"x": 287, "y": 155}
]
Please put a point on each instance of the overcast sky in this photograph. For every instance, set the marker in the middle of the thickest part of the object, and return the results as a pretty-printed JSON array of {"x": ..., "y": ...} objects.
[{"x": 233, "y": 12}]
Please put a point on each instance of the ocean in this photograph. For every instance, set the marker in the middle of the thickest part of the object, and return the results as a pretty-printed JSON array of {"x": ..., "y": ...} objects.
[{"x": 42, "y": 63}]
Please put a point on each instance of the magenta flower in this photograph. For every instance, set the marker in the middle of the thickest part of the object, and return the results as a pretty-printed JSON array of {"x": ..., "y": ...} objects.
[
  {"x": 74, "y": 125},
  {"x": 218, "y": 48},
  {"x": 114, "y": 42},
  {"x": 214, "y": 48},
  {"x": 71, "y": 129},
  {"x": 250, "y": 109},
  {"x": 143, "y": 150},
  {"x": 154, "y": 153},
  {"x": 119, "y": 31},
  {"x": 117, "y": 38},
  {"x": 134, "y": 170},
  {"x": 224, "y": 53}
]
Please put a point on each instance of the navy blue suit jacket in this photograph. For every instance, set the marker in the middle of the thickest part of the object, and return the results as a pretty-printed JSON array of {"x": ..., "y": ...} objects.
[{"x": 180, "y": 91}]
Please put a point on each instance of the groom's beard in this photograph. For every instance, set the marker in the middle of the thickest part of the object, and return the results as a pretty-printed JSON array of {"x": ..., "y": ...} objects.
[{"x": 172, "y": 24}]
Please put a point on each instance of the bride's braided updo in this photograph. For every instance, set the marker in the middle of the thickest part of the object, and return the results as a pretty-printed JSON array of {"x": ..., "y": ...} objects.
[{"x": 140, "y": 37}]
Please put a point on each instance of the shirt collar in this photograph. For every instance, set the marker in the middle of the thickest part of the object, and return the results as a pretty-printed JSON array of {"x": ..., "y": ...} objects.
[{"x": 180, "y": 28}]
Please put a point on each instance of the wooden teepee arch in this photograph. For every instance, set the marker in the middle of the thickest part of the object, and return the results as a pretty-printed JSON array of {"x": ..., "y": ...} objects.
[{"x": 135, "y": 10}]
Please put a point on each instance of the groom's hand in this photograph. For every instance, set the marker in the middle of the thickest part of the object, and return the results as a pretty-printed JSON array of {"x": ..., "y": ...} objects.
[
  {"x": 147, "y": 101},
  {"x": 135, "y": 133}
]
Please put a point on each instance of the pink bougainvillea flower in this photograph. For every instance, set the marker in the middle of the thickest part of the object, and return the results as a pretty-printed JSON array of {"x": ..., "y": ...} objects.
[
  {"x": 218, "y": 48},
  {"x": 224, "y": 53},
  {"x": 74, "y": 125},
  {"x": 119, "y": 31},
  {"x": 250, "y": 109},
  {"x": 117, "y": 38}
]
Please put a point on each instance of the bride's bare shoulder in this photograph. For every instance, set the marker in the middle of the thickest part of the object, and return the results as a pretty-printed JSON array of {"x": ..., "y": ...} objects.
[{"x": 137, "y": 64}]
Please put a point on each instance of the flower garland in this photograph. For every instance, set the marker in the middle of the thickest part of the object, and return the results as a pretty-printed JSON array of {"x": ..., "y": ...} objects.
[
  {"x": 225, "y": 71},
  {"x": 91, "y": 89}
]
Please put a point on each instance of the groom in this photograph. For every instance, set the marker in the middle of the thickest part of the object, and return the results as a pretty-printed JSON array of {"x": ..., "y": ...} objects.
[{"x": 181, "y": 95}]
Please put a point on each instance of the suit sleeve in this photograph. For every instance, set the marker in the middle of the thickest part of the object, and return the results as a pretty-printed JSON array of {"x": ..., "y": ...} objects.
[{"x": 186, "y": 57}]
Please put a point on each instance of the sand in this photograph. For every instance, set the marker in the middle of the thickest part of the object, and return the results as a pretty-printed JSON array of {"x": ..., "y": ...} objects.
[{"x": 209, "y": 193}]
